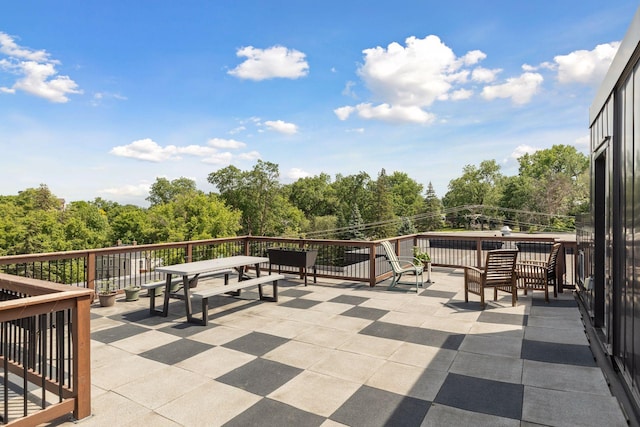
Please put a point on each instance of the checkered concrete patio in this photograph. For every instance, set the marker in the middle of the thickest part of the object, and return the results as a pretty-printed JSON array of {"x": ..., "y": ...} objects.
[{"x": 336, "y": 353}]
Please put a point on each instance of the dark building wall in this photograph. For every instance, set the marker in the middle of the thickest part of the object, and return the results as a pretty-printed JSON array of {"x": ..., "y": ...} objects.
[{"x": 609, "y": 238}]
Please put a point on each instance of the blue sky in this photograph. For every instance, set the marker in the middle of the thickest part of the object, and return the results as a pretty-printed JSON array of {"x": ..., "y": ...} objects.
[{"x": 98, "y": 99}]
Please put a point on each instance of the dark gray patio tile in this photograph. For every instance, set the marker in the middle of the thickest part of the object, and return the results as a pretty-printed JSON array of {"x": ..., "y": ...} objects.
[
  {"x": 185, "y": 329},
  {"x": 437, "y": 294},
  {"x": 268, "y": 412},
  {"x": 176, "y": 351},
  {"x": 349, "y": 299},
  {"x": 260, "y": 376},
  {"x": 502, "y": 318},
  {"x": 482, "y": 395},
  {"x": 555, "y": 302},
  {"x": 568, "y": 354},
  {"x": 434, "y": 338},
  {"x": 388, "y": 330},
  {"x": 294, "y": 293},
  {"x": 374, "y": 407},
  {"x": 141, "y": 317},
  {"x": 256, "y": 343},
  {"x": 365, "y": 313},
  {"x": 117, "y": 333},
  {"x": 299, "y": 303}
]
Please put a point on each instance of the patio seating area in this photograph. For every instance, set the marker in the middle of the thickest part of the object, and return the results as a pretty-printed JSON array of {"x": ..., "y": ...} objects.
[{"x": 343, "y": 353}]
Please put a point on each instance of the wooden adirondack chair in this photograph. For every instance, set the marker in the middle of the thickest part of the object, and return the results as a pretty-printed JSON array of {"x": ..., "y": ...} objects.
[
  {"x": 539, "y": 275},
  {"x": 401, "y": 265},
  {"x": 498, "y": 273}
]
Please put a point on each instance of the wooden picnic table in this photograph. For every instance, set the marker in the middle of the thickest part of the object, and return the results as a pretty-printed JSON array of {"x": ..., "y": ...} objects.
[{"x": 191, "y": 270}]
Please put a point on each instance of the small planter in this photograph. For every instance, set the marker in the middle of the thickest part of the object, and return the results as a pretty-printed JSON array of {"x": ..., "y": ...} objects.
[
  {"x": 132, "y": 294},
  {"x": 107, "y": 300}
]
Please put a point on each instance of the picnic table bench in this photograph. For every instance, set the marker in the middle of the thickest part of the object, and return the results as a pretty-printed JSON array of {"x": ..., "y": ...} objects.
[{"x": 205, "y": 294}]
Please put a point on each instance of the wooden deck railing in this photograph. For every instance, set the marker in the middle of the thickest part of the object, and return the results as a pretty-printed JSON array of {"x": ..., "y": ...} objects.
[{"x": 44, "y": 351}]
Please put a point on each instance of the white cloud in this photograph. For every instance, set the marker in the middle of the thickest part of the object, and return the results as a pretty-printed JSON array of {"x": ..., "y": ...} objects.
[
  {"x": 586, "y": 66},
  {"x": 461, "y": 94},
  {"x": 405, "y": 80},
  {"x": 519, "y": 89},
  {"x": 484, "y": 75},
  {"x": 296, "y": 173},
  {"x": 226, "y": 143},
  {"x": 521, "y": 150},
  {"x": 99, "y": 97},
  {"x": 415, "y": 75},
  {"x": 37, "y": 72},
  {"x": 251, "y": 155},
  {"x": 281, "y": 126},
  {"x": 355, "y": 130},
  {"x": 148, "y": 150},
  {"x": 388, "y": 113},
  {"x": 343, "y": 113},
  {"x": 583, "y": 141},
  {"x": 273, "y": 62},
  {"x": 128, "y": 190}
]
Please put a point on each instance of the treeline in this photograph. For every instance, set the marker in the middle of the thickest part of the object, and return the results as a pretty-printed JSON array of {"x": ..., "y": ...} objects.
[{"x": 553, "y": 182}]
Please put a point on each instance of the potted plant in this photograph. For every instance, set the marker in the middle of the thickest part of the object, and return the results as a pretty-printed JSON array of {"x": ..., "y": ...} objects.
[
  {"x": 132, "y": 292},
  {"x": 107, "y": 293},
  {"x": 421, "y": 256}
]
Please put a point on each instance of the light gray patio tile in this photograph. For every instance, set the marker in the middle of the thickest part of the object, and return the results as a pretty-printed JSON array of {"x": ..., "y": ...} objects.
[
  {"x": 299, "y": 354},
  {"x": 219, "y": 335},
  {"x": 103, "y": 354},
  {"x": 215, "y": 362},
  {"x": 123, "y": 370},
  {"x": 346, "y": 323},
  {"x": 491, "y": 367},
  {"x": 497, "y": 330},
  {"x": 330, "y": 307},
  {"x": 390, "y": 304},
  {"x": 161, "y": 387},
  {"x": 284, "y": 328},
  {"x": 349, "y": 366},
  {"x": 315, "y": 392},
  {"x": 198, "y": 408},
  {"x": 550, "y": 407},
  {"x": 443, "y": 415},
  {"x": 310, "y": 316},
  {"x": 424, "y": 356},
  {"x": 105, "y": 413},
  {"x": 371, "y": 346},
  {"x": 565, "y": 377},
  {"x": 145, "y": 341},
  {"x": 492, "y": 345},
  {"x": 406, "y": 319},
  {"x": 407, "y": 380},
  {"x": 562, "y": 336},
  {"x": 324, "y": 337}
]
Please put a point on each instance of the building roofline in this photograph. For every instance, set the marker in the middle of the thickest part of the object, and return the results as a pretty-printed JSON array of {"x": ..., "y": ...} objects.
[{"x": 626, "y": 50}]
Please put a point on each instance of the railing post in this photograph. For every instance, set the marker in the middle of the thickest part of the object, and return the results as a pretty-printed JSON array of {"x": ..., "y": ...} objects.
[
  {"x": 189, "y": 252},
  {"x": 82, "y": 357},
  {"x": 372, "y": 265},
  {"x": 91, "y": 270},
  {"x": 479, "y": 252}
]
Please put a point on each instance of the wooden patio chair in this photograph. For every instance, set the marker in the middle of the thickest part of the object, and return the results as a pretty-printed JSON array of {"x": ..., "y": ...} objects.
[
  {"x": 401, "y": 265},
  {"x": 498, "y": 273},
  {"x": 539, "y": 275}
]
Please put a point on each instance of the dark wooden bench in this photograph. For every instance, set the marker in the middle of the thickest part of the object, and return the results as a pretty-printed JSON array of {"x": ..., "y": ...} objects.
[{"x": 205, "y": 294}]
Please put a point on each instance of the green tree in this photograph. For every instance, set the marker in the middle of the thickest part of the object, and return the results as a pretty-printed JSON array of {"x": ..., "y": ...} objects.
[
  {"x": 254, "y": 193},
  {"x": 85, "y": 226},
  {"x": 351, "y": 190},
  {"x": 313, "y": 195},
  {"x": 380, "y": 210},
  {"x": 406, "y": 194},
  {"x": 129, "y": 223},
  {"x": 431, "y": 212},
  {"x": 164, "y": 191}
]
